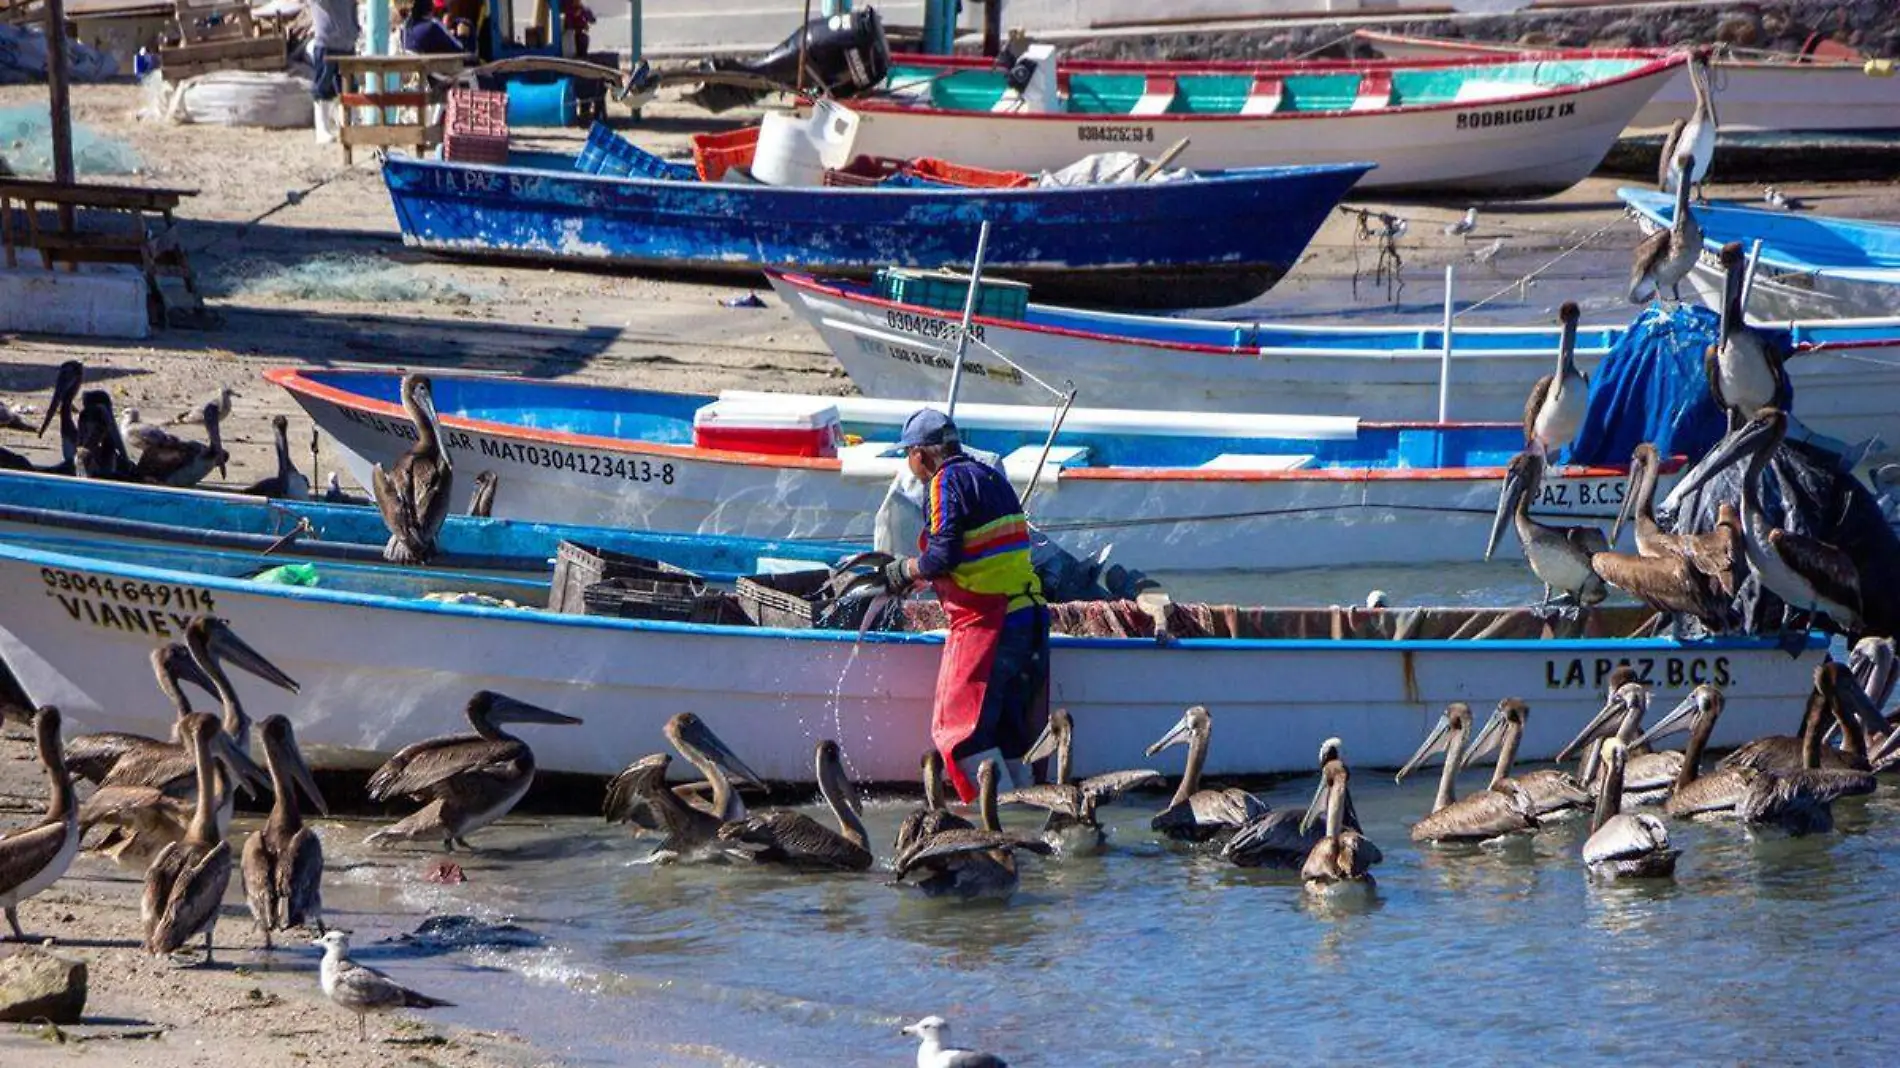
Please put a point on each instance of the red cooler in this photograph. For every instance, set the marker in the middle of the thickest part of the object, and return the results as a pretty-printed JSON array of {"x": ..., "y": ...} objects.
[{"x": 792, "y": 426}]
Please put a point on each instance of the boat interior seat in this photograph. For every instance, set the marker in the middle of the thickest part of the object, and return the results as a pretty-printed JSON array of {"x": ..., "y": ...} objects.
[
  {"x": 1264, "y": 96},
  {"x": 1021, "y": 465},
  {"x": 1480, "y": 89},
  {"x": 1375, "y": 91},
  {"x": 1156, "y": 97},
  {"x": 1255, "y": 461},
  {"x": 868, "y": 460}
]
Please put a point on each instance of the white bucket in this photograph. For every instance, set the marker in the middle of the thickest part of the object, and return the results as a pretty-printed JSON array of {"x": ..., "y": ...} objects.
[{"x": 797, "y": 151}]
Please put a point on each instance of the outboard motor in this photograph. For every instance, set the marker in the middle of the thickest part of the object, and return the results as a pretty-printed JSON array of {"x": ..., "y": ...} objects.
[{"x": 845, "y": 55}]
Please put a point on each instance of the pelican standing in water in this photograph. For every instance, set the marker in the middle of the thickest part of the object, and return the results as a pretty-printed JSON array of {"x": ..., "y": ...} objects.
[
  {"x": 934, "y": 815},
  {"x": 1695, "y": 137},
  {"x": 1555, "y": 409},
  {"x": 1194, "y": 814},
  {"x": 1283, "y": 838},
  {"x": 34, "y": 857},
  {"x": 1559, "y": 556},
  {"x": 1666, "y": 257},
  {"x": 1485, "y": 816},
  {"x": 968, "y": 862},
  {"x": 186, "y": 882},
  {"x": 413, "y": 496},
  {"x": 1071, "y": 826},
  {"x": 173, "y": 461},
  {"x": 466, "y": 781},
  {"x": 1717, "y": 555},
  {"x": 1743, "y": 367},
  {"x": 1340, "y": 862},
  {"x": 1807, "y": 573},
  {"x": 1555, "y": 794},
  {"x": 795, "y": 840},
  {"x": 1623, "y": 846},
  {"x": 364, "y": 990},
  {"x": 283, "y": 860},
  {"x": 687, "y": 821},
  {"x": 288, "y": 483}
]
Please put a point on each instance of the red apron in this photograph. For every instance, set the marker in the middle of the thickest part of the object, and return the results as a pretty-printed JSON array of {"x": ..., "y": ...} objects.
[{"x": 963, "y": 676}]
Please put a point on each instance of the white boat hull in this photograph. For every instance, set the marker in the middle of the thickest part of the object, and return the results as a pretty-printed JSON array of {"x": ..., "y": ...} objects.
[{"x": 378, "y": 673}]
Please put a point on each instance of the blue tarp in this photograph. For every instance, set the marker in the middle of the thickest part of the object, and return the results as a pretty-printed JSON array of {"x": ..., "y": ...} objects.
[{"x": 1651, "y": 387}]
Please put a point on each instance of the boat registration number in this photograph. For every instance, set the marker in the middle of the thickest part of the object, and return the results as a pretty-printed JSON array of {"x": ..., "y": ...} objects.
[
  {"x": 1675, "y": 672},
  {"x": 1002, "y": 373},
  {"x": 1127, "y": 135},
  {"x": 125, "y": 605},
  {"x": 532, "y": 454},
  {"x": 1582, "y": 493}
]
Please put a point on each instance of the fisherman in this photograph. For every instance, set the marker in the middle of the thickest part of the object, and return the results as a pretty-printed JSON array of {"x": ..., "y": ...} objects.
[
  {"x": 333, "y": 33},
  {"x": 975, "y": 554}
]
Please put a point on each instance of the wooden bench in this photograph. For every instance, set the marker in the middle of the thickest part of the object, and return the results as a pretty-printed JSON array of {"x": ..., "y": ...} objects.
[
  {"x": 146, "y": 235},
  {"x": 407, "y": 113},
  {"x": 219, "y": 35}
]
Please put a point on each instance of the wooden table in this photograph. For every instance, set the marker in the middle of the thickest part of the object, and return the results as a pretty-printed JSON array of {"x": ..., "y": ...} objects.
[
  {"x": 144, "y": 235},
  {"x": 406, "y": 114}
]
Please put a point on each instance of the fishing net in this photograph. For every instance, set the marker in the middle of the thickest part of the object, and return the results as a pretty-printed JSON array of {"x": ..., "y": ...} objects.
[
  {"x": 26, "y": 144},
  {"x": 345, "y": 278}
]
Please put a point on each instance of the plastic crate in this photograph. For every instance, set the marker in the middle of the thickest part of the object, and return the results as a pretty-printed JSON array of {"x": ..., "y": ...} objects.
[
  {"x": 578, "y": 566},
  {"x": 946, "y": 290},
  {"x": 789, "y": 599},
  {"x": 716, "y": 153},
  {"x": 475, "y": 127},
  {"x": 674, "y": 598}
]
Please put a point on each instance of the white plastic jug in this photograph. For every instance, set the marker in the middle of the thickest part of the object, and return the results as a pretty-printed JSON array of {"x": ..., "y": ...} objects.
[{"x": 796, "y": 150}]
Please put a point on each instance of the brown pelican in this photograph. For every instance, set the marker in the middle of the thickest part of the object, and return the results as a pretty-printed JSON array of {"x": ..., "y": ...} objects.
[
  {"x": 34, "y": 857},
  {"x": 1071, "y": 825},
  {"x": 414, "y": 494},
  {"x": 1559, "y": 556},
  {"x": 1554, "y": 793},
  {"x": 1717, "y": 795},
  {"x": 1670, "y": 585},
  {"x": 1482, "y": 817},
  {"x": 186, "y": 882},
  {"x": 1806, "y": 573},
  {"x": 1696, "y": 136},
  {"x": 98, "y": 451},
  {"x": 482, "y": 501},
  {"x": 1342, "y": 860},
  {"x": 283, "y": 860},
  {"x": 91, "y": 756},
  {"x": 687, "y": 820},
  {"x": 1785, "y": 753},
  {"x": 173, "y": 461},
  {"x": 1666, "y": 257},
  {"x": 1672, "y": 141},
  {"x": 795, "y": 840},
  {"x": 1646, "y": 776},
  {"x": 466, "y": 781},
  {"x": 288, "y": 483},
  {"x": 1718, "y": 555},
  {"x": 220, "y": 399},
  {"x": 1194, "y": 814},
  {"x": 1800, "y": 800},
  {"x": 1743, "y": 367},
  {"x": 1624, "y": 846},
  {"x": 933, "y": 816},
  {"x": 1283, "y": 838},
  {"x": 932, "y": 1032},
  {"x": 364, "y": 990},
  {"x": 1556, "y": 406},
  {"x": 968, "y": 862}
]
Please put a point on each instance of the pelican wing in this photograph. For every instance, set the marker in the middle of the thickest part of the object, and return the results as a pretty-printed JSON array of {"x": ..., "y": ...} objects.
[
  {"x": 1666, "y": 169},
  {"x": 398, "y": 513},
  {"x": 1066, "y": 799},
  {"x": 166, "y": 767},
  {"x": 1232, "y": 807},
  {"x": 1665, "y": 583},
  {"x": 1712, "y": 370},
  {"x": 1551, "y": 789},
  {"x": 1718, "y": 555},
  {"x": 91, "y": 756},
  {"x": 300, "y": 880},
  {"x": 27, "y": 853},
  {"x": 961, "y": 841},
  {"x": 1348, "y": 856},
  {"x": 1653, "y": 250},
  {"x": 1717, "y": 792},
  {"x": 1483, "y": 815},
  {"x": 258, "y": 870},
  {"x": 136, "y": 807},
  {"x": 159, "y": 877},
  {"x": 793, "y": 838},
  {"x": 431, "y": 482},
  {"x": 1110, "y": 785},
  {"x": 1626, "y": 837},
  {"x": 417, "y": 768},
  {"x": 1831, "y": 571},
  {"x": 1535, "y": 403},
  {"x": 924, "y": 823},
  {"x": 1651, "y": 771},
  {"x": 1271, "y": 841},
  {"x": 1591, "y": 540},
  {"x": 195, "y": 896}
]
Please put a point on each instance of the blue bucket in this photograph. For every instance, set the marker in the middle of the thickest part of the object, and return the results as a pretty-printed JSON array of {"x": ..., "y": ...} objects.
[{"x": 543, "y": 104}]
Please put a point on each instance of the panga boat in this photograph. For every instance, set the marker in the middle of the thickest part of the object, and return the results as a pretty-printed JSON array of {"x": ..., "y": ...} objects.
[
  {"x": 1216, "y": 238},
  {"x": 1755, "y": 92},
  {"x": 1171, "y": 491},
  {"x": 48, "y": 505},
  {"x": 379, "y": 670},
  {"x": 1810, "y": 265},
  {"x": 1490, "y": 125}
]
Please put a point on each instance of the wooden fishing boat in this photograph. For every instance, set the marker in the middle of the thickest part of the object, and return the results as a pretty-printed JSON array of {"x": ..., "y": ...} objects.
[
  {"x": 1755, "y": 92},
  {"x": 49, "y": 505},
  {"x": 902, "y": 349},
  {"x": 1220, "y": 237},
  {"x": 379, "y": 668},
  {"x": 1809, "y": 265},
  {"x": 1171, "y": 491},
  {"x": 1488, "y": 125}
]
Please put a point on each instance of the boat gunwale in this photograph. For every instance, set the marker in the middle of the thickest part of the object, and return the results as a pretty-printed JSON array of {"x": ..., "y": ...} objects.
[
  {"x": 48, "y": 559},
  {"x": 1455, "y": 48},
  {"x": 1642, "y": 202},
  {"x": 294, "y": 381}
]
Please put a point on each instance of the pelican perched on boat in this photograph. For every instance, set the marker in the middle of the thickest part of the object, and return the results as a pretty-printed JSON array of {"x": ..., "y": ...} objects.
[
  {"x": 934, "y": 815},
  {"x": 1624, "y": 846},
  {"x": 1555, "y": 794},
  {"x": 34, "y": 857},
  {"x": 1666, "y": 257},
  {"x": 173, "y": 461},
  {"x": 686, "y": 816},
  {"x": 1071, "y": 825},
  {"x": 185, "y": 884},
  {"x": 413, "y": 495},
  {"x": 795, "y": 840},
  {"x": 1484, "y": 816},
  {"x": 466, "y": 781},
  {"x": 482, "y": 501},
  {"x": 1647, "y": 776},
  {"x": 1555, "y": 409},
  {"x": 1559, "y": 556},
  {"x": 1342, "y": 860},
  {"x": 1282, "y": 838},
  {"x": 1717, "y": 555},
  {"x": 283, "y": 860},
  {"x": 1806, "y": 573},
  {"x": 968, "y": 862},
  {"x": 288, "y": 483},
  {"x": 1194, "y": 814},
  {"x": 1695, "y": 137},
  {"x": 91, "y": 756},
  {"x": 1743, "y": 367}
]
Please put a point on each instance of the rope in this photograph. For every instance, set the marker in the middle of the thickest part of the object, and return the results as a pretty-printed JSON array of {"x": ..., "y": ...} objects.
[
  {"x": 1311, "y": 52},
  {"x": 1527, "y": 279}
]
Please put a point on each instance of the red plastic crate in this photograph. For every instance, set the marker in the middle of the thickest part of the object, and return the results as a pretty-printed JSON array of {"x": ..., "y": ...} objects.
[
  {"x": 716, "y": 153},
  {"x": 475, "y": 129}
]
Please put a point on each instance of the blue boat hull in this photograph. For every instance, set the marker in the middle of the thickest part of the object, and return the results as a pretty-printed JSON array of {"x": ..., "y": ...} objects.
[{"x": 1222, "y": 239}]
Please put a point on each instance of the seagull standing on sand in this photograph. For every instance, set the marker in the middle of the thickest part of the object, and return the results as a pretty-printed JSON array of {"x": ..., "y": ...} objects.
[
  {"x": 196, "y": 413},
  {"x": 365, "y": 990},
  {"x": 931, "y": 1032},
  {"x": 1463, "y": 227}
]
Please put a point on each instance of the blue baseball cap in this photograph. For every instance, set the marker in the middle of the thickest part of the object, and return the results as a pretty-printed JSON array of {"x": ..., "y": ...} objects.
[{"x": 928, "y": 426}]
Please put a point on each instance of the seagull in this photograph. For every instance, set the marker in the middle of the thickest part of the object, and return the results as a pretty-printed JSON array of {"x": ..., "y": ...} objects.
[
  {"x": 1463, "y": 227},
  {"x": 1376, "y": 599},
  {"x": 196, "y": 413},
  {"x": 932, "y": 1053},
  {"x": 1486, "y": 253},
  {"x": 1778, "y": 199},
  {"x": 365, "y": 990}
]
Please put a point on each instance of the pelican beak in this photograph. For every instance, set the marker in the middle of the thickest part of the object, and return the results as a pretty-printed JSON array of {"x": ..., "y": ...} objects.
[
  {"x": 1886, "y": 751},
  {"x": 702, "y": 738},
  {"x": 1177, "y": 735},
  {"x": 1628, "y": 506},
  {"x": 302, "y": 776},
  {"x": 506, "y": 709},
  {"x": 1434, "y": 742},
  {"x": 250, "y": 779},
  {"x": 1045, "y": 746},
  {"x": 64, "y": 388},
  {"x": 184, "y": 668},
  {"x": 1316, "y": 807},
  {"x": 1674, "y": 723},
  {"x": 1727, "y": 452},
  {"x": 1848, "y": 692},
  {"x": 1487, "y": 741},
  {"x": 1508, "y": 494},
  {"x": 1611, "y": 708},
  {"x": 228, "y": 646}
]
